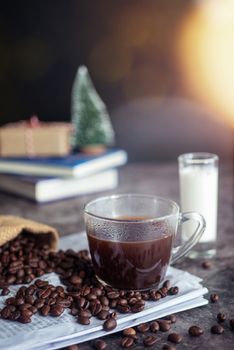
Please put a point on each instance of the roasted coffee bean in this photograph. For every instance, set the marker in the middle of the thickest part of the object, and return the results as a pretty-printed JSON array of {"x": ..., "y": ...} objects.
[
  {"x": 145, "y": 296},
  {"x": 132, "y": 301},
  {"x": 74, "y": 311},
  {"x": 173, "y": 291},
  {"x": 129, "y": 332},
  {"x": 163, "y": 291},
  {"x": 97, "y": 291},
  {"x": 12, "y": 308},
  {"x": 24, "y": 319},
  {"x": 83, "y": 320},
  {"x": 154, "y": 295},
  {"x": 113, "y": 314},
  {"x": 14, "y": 315},
  {"x": 33, "y": 309},
  {"x": 154, "y": 326},
  {"x": 21, "y": 292},
  {"x": 30, "y": 290},
  {"x": 60, "y": 289},
  {"x": 206, "y": 265},
  {"x": 72, "y": 347},
  {"x": 175, "y": 338},
  {"x": 19, "y": 301},
  {"x": 24, "y": 307},
  {"x": 54, "y": 294},
  {"x": 104, "y": 300},
  {"x": 221, "y": 317},
  {"x": 168, "y": 347},
  {"x": 56, "y": 310},
  {"x": 217, "y": 329},
  {"x": 166, "y": 284},
  {"x": 85, "y": 313},
  {"x": 81, "y": 302},
  {"x": 44, "y": 293},
  {"x": 103, "y": 315},
  {"x": 39, "y": 303},
  {"x": 10, "y": 301},
  {"x": 113, "y": 303},
  {"x": 195, "y": 331},
  {"x": 85, "y": 290},
  {"x": 26, "y": 313},
  {"x": 75, "y": 280},
  {"x": 214, "y": 298},
  {"x": 231, "y": 323},
  {"x": 150, "y": 340},
  {"x": 95, "y": 309},
  {"x": 109, "y": 324},
  {"x": 64, "y": 302},
  {"x": 45, "y": 310},
  {"x": 10, "y": 279},
  {"x": 171, "y": 318},
  {"x": 5, "y": 313},
  {"x": 127, "y": 342},
  {"x": 100, "y": 344},
  {"x": 138, "y": 307},
  {"x": 113, "y": 295},
  {"x": 40, "y": 283},
  {"x": 91, "y": 297},
  {"x": 29, "y": 299},
  {"x": 143, "y": 327},
  {"x": 164, "y": 326},
  {"x": 123, "y": 309},
  {"x": 122, "y": 302},
  {"x": 5, "y": 291}
]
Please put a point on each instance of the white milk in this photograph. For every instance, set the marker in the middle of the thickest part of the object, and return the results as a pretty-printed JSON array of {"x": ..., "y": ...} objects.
[{"x": 199, "y": 192}]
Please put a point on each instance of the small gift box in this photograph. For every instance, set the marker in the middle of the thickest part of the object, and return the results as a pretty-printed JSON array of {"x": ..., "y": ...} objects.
[{"x": 35, "y": 138}]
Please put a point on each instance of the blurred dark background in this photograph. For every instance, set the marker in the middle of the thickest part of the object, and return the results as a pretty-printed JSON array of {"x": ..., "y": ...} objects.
[{"x": 128, "y": 47}]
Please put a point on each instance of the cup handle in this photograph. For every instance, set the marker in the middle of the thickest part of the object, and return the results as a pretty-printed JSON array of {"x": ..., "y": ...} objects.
[{"x": 183, "y": 249}]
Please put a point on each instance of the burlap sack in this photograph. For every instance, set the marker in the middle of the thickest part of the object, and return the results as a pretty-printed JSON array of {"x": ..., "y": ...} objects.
[{"x": 12, "y": 226}]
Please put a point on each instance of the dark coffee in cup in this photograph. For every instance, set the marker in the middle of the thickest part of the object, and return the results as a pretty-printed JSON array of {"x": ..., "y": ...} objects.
[
  {"x": 131, "y": 238},
  {"x": 131, "y": 264}
]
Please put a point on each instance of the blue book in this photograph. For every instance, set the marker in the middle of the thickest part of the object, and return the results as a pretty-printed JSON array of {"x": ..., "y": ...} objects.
[
  {"x": 76, "y": 165},
  {"x": 47, "y": 189}
]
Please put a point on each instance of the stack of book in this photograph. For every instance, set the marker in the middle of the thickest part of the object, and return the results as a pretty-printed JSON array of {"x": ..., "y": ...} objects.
[{"x": 49, "y": 179}]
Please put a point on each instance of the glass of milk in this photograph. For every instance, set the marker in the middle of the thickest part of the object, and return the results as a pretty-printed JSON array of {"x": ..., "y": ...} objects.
[{"x": 198, "y": 174}]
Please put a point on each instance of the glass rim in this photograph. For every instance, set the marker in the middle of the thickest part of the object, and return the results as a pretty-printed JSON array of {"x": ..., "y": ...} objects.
[
  {"x": 198, "y": 158},
  {"x": 175, "y": 206}
]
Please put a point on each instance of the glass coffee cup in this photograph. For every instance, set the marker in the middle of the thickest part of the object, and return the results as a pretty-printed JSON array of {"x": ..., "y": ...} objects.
[{"x": 132, "y": 238}]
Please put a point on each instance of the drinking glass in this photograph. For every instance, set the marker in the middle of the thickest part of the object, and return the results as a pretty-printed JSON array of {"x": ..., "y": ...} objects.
[
  {"x": 198, "y": 173},
  {"x": 132, "y": 238}
]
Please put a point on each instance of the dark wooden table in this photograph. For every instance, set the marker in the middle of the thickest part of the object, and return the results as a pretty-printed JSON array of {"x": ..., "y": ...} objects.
[{"x": 159, "y": 179}]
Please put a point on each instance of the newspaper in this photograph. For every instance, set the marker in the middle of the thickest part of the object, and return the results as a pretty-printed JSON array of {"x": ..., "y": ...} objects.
[{"x": 47, "y": 333}]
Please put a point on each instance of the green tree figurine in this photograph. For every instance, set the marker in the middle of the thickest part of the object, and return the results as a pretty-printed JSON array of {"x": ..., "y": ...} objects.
[{"x": 92, "y": 129}]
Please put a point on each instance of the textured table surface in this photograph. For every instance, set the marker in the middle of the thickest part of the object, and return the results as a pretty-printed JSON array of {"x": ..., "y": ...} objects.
[{"x": 162, "y": 180}]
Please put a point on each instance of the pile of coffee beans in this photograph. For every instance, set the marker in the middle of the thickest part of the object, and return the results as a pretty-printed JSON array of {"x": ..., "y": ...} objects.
[
  {"x": 40, "y": 297},
  {"x": 23, "y": 259},
  {"x": 27, "y": 257}
]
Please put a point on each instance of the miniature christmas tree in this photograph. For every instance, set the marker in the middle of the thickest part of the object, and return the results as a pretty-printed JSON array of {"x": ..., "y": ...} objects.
[{"x": 92, "y": 129}]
